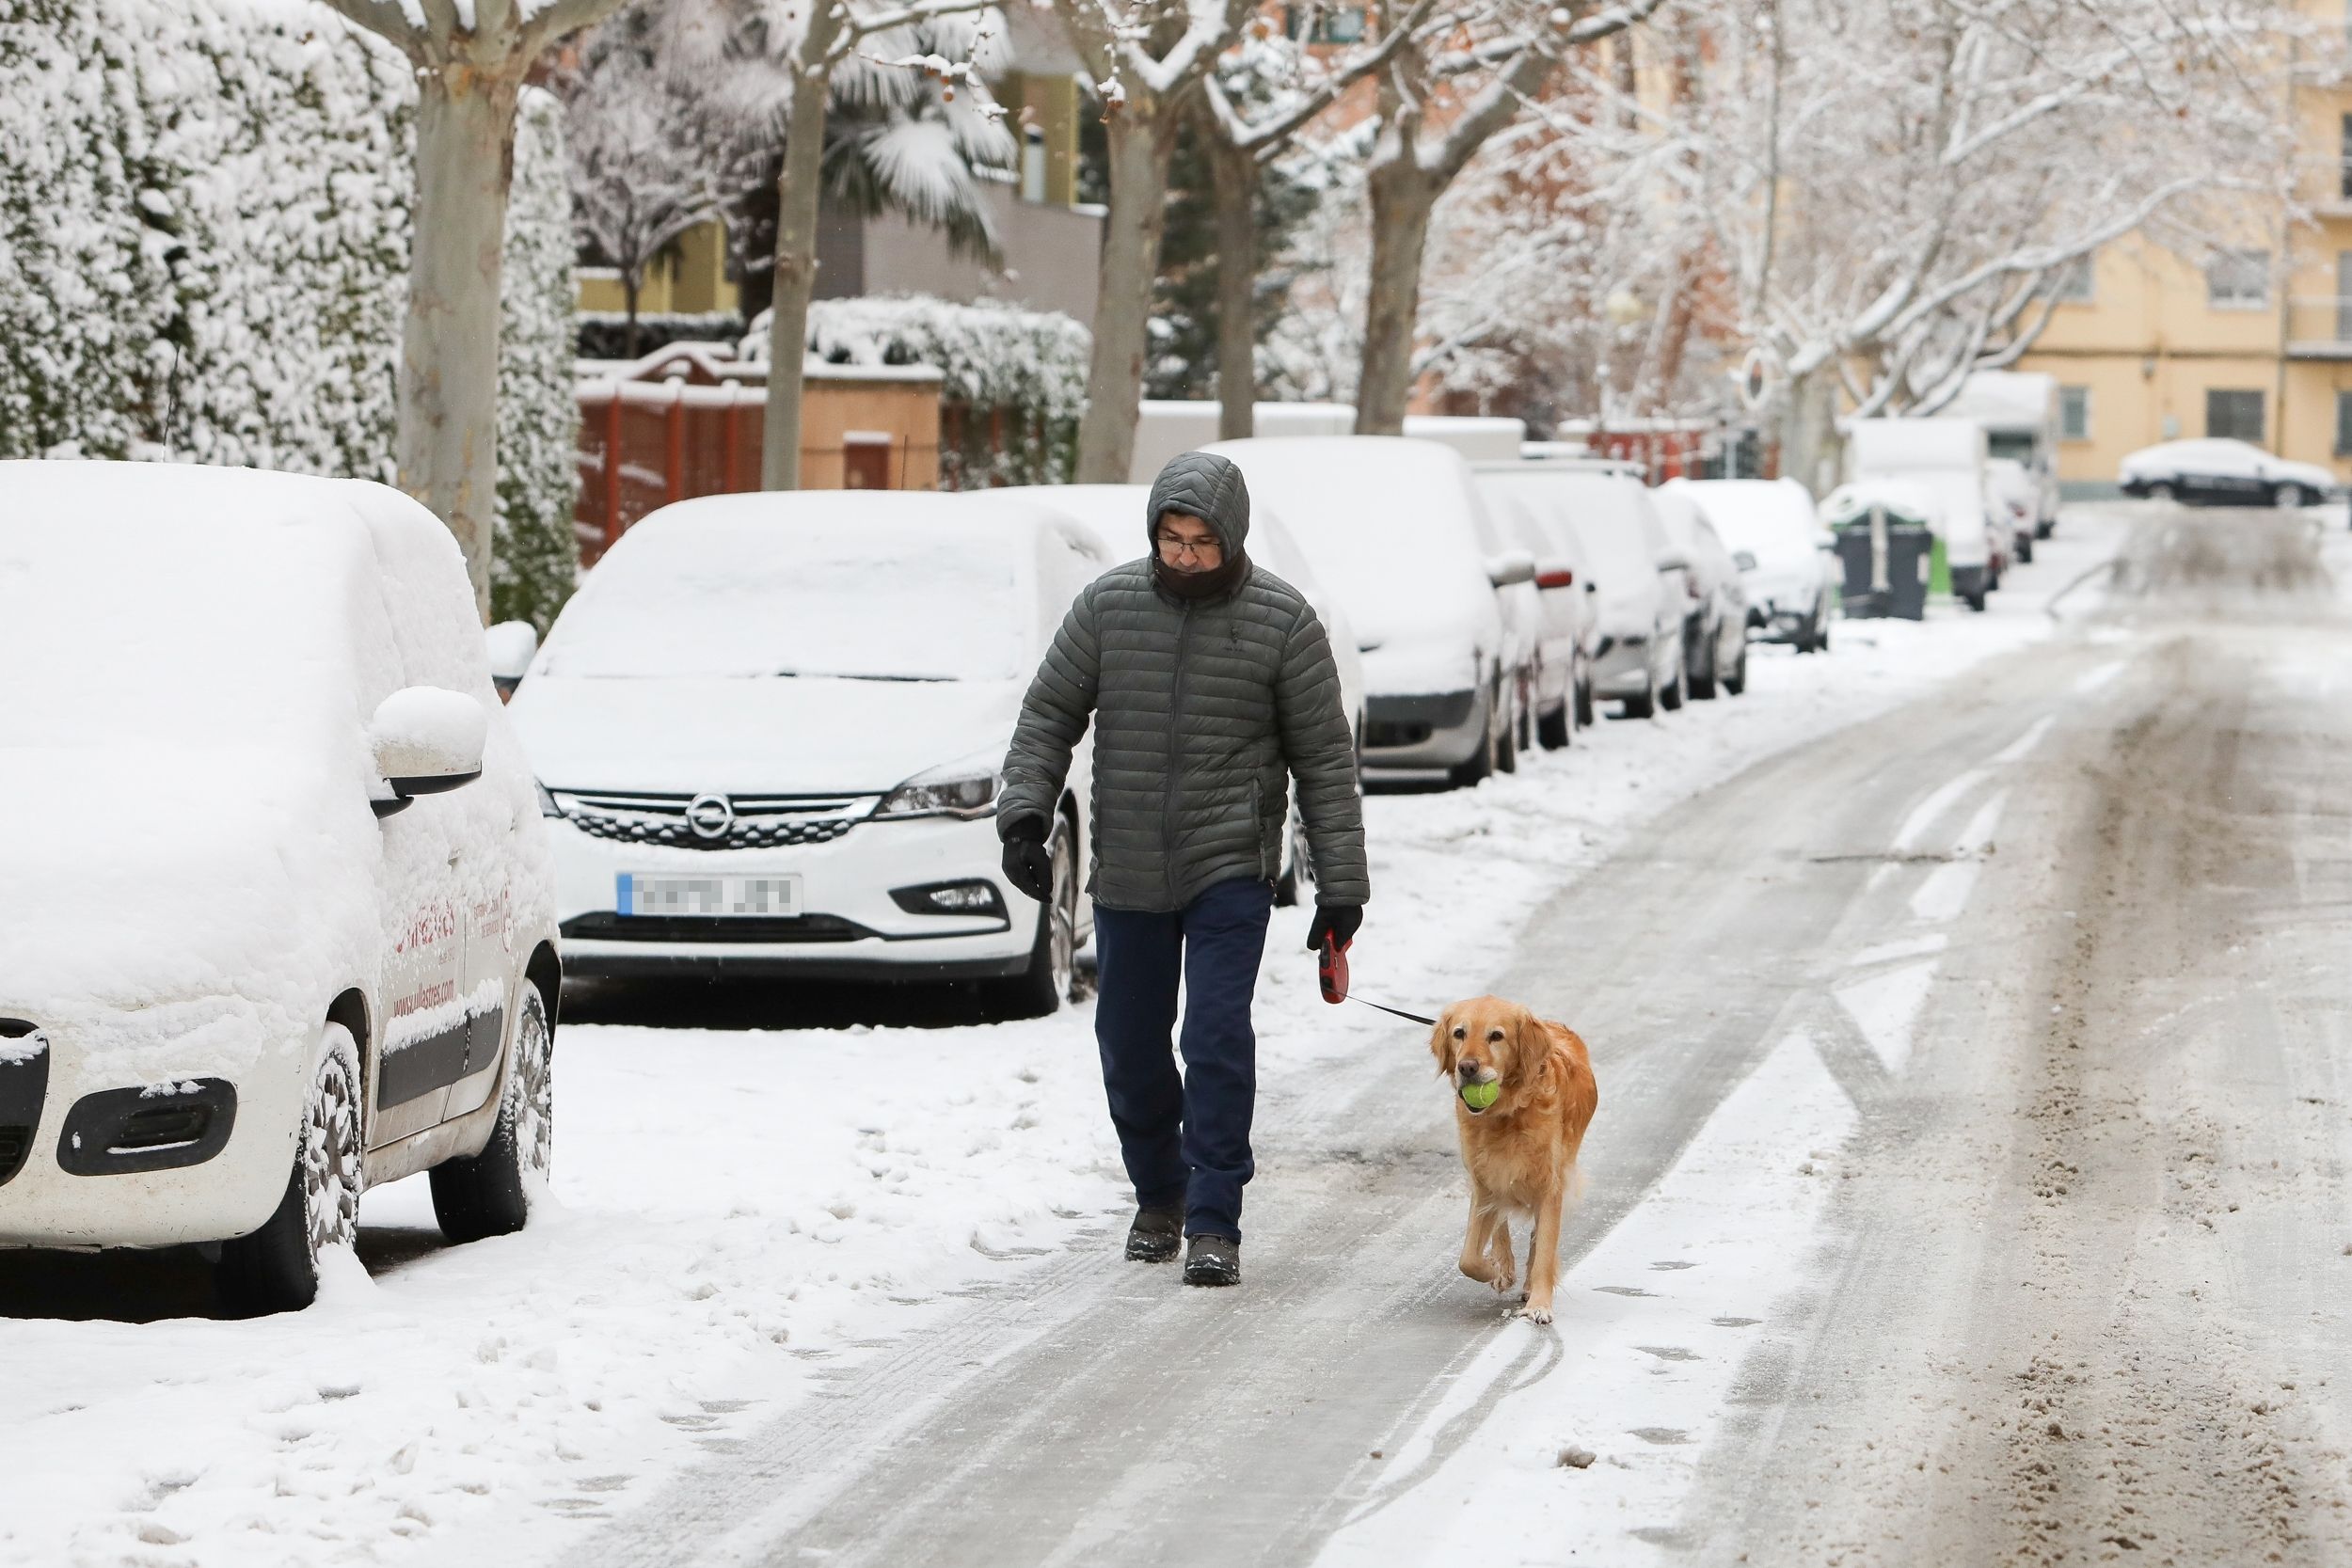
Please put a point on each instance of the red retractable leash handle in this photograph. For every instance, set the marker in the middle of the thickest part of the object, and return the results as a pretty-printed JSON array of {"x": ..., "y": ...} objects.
[{"x": 1331, "y": 970}]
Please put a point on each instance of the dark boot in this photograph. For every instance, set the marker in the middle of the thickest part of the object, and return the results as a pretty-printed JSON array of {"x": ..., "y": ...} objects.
[
  {"x": 1214, "y": 1260},
  {"x": 1156, "y": 1234}
]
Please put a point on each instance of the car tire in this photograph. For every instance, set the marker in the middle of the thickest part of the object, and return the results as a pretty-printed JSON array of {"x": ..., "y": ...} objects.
[
  {"x": 490, "y": 1193},
  {"x": 1820, "y": 632},
  {"x": 1975, "y": 601},
  {"x": 1670, "y": 697},
  {"x": 2046, "y": 527},
  {"x": 2290, "y": 498},
  {"x": 2161, "y": 491},
  {"x": 1045, "y": 984},
  {"x": 276, "y": 1268},
  {"x": 1737, "y": 682},
  {"x": 1586, "y": 710},
  {"x": 1507, "y": 741},
  {"x": 1702, "y": 686},
  {"x": 1555, "y": 730},
  {"x": 2025, "y": 550}
]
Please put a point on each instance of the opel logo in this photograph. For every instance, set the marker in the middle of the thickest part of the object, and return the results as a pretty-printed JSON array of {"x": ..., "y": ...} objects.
[{"x": 710, "y": 816}]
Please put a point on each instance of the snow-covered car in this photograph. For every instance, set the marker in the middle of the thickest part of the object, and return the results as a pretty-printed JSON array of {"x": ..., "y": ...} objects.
[
  {"x": 276, "y": 905},
  {"x": 1639, "y": 581},
  {"x": 1522, "y": 504},
  {"x": 1114, "y": 514},
  {"x": 1718, "y": 657},
  {"x": 1526, "y": 642},
  {"x": 1786, "y": 557},
  {"x": 2016, "y": 497},
  {"x": 2216, "y": 471},
  {"x": 768, "y": 729},
  {"x": 1392, "y": 527}
]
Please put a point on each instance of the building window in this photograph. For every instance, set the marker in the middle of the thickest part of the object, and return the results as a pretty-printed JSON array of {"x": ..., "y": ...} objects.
[
  {"x": 2238, "y": 279},
  {"x": 2344, "y": 424},
  {"x": 2075, "y": 282},
  {"x": 2073, "y": 413},
  {"x": 2234, "y": 412},
  {"x": 2343, "y": 185},
  {"x": 1323, "y": 24}
]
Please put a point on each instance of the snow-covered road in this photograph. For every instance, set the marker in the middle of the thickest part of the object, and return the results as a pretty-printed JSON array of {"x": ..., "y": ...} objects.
[{"x": 853, "y": 1291}]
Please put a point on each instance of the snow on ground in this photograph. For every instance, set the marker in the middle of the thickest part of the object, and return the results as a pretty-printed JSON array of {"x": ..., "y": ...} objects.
[{"x": 738, "y": 1207}]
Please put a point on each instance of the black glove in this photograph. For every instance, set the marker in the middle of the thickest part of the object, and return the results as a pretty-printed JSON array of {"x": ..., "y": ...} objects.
[
  {"x": 1338, "y": 922},
  {"x": 1027, "y": 867}
]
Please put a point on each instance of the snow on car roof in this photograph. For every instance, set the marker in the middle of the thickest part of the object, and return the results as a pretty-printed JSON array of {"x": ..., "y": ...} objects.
[
  {"x": 1113, "y": 516},
  {"x": 175, "y": 602},
  {"x": 855, "y": 584},
  {"x": 2212, "y": 453},
  {"x": 1388, "y": 522}
]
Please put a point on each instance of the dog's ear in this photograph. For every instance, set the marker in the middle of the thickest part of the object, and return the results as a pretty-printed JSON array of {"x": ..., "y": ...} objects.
[
  {"x": 1531, "y": 1046},
  {"x": 1441, "y": 1042}
]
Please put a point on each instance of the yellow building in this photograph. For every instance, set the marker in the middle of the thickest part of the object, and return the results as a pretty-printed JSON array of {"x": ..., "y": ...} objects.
[{"x": 2255, "y": 344}]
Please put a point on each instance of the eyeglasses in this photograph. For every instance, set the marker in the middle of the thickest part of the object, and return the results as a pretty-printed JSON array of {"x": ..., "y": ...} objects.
[{"x": 1199, "y": 549}]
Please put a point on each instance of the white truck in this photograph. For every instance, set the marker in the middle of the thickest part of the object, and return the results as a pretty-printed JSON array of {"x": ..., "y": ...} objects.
[
  {"x": 1947, "y": 458},
  {"x": 2019, "y": 410}
]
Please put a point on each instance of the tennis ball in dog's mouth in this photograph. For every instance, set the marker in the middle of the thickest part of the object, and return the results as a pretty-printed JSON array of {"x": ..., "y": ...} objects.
[{"x": 1478, "y": 1096}]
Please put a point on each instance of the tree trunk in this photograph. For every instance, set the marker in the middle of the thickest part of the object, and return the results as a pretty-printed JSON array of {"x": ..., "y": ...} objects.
[
  {"x": 1809, "y": 449},
  {"x": 631, "y": 283},
  {"x": 1233, "y": 181},
  {"x": 1402, "y": 197},
  {"x": 798, "y": 194},
  {"x": 449, "y": 350},
  {"x": 1139, "y": 148}
]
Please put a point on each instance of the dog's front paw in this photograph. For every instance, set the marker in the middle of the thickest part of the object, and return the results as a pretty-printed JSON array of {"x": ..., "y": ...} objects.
[{"x": 1537, "y": 1314}]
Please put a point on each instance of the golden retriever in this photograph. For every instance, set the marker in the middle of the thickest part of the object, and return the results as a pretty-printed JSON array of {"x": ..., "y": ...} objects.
[{"x": 1521, "y": 1151}]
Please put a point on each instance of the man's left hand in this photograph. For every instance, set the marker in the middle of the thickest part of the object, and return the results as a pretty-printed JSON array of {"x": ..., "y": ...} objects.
[{"x": 1336, "y": 924}]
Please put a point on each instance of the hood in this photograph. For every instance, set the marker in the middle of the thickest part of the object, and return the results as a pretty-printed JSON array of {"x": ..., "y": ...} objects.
[
  {"x": 1205, "y": 485},
  {"x": 808, "y": 735},
  {"x": 177, "y": 893}
]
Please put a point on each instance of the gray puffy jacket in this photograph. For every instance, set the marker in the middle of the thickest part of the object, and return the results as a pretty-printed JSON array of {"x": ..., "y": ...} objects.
[{"x": 1203, "y": 712}]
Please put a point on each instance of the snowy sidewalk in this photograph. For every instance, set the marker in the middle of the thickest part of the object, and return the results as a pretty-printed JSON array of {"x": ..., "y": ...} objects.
[{"x": 738, "y": 1207}]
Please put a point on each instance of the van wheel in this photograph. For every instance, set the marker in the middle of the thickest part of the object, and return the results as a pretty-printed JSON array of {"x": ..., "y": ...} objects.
[
  {"x": 276, "y": 1268},
  {"x": 1646, "y": 705},
  {"x": 2024, "y": 548},
  {"x": 1046, "y": 985},
  {"x": 1555, "y": 730},
  {"x": 1670, "y": 697},
  {"x": 1702, "y": 685},
  {"x": 491, "y": 1194}
]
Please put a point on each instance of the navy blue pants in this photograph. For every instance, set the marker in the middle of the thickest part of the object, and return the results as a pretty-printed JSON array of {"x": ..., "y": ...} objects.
[{"x": 1186, "y": 1139}]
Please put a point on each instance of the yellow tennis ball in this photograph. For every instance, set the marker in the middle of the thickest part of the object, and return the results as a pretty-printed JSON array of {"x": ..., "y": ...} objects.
[{"x": 1478, "y": 1096}]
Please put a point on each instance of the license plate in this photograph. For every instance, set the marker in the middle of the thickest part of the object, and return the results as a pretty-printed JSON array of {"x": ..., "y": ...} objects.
[{"x": 775, "y": 897}]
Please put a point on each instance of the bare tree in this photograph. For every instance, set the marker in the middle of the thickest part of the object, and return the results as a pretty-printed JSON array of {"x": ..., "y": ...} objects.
[
  {"x": 641, "y": 172},
  {"x": 1147, "y": 63},
  {"x": 1448, "y": 89},
  {"x": 470, "y": 60}
]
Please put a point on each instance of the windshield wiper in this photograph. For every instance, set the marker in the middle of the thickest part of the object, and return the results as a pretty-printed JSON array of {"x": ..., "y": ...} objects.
[{"x": 845, "y": 676}]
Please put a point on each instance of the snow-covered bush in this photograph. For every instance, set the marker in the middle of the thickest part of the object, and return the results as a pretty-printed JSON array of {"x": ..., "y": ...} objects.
[
  {"x": 604, "y": 334},
  {"x": 203, "y": 244},
  {"x": 538, "y": 555},
  {"x": 1014, "y": 380}
]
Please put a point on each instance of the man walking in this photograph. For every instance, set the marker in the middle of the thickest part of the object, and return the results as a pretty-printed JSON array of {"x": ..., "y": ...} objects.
[{"x": 1211, "y": 686}]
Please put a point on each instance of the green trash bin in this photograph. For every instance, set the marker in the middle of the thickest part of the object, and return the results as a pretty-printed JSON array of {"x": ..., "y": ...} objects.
[{"x": 1890, "y": 558}]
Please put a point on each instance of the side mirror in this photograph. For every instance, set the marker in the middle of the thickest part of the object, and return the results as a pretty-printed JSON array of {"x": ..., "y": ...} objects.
[
  {"x": 426, "y": 739},
  {"x": 512, "y": 645},
  {"x": 1510, "y": 568},
  {"x": 1555, "y": 576},
  {"x": 1744, "y": 560}
]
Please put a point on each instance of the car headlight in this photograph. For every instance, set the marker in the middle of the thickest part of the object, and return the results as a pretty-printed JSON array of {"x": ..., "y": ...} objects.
[
  {"x": 546, "y": 801},
  {"x": 957, "y": 790}
]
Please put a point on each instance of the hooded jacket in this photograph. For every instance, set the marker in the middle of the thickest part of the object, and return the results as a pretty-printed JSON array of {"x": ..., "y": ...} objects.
[{"x": 1204, "y": 711}]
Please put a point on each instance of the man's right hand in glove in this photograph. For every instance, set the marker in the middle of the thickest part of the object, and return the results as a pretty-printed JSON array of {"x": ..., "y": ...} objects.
[{"x": 1027, "y": 867}]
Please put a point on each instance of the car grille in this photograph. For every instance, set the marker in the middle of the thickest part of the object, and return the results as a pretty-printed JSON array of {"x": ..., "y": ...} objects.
[
  {"x": 694, "y": 928},
  {"x": 14, "y": 1144},
  {"x": 757, "y": 822}
]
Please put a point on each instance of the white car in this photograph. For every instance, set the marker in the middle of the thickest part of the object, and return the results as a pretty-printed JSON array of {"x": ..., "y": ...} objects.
[
  {"x": 275, "y": 901},
  {"x": 1570, "y": 632},
  {"x": 1114, "y": 514},
  {"x": 769, "y": 730},
  {"x": 1392, "y": 525},
  {"x": 2221, "y": 472},
  {"x": 1717, "y": 657},
  {"x": 1786, "y": 559},
  {"x": 1640, "y": 585}
]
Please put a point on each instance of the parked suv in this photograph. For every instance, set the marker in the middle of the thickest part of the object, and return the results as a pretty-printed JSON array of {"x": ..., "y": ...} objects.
[
  {"x": 275, "y": 903},
  {"x": 1640, "y": 585},
  {"x": 1716, "y": 654},
  {"x": 1393, "y": 527},
  {"x": 770, "y": 729}
]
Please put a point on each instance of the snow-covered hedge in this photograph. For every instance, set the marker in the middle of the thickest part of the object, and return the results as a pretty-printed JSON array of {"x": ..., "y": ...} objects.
[
  {"x": 203, "y": 250},
  {"x": 604, "y": 334},
  {"x": 1030, "y": 364},
  {"x": 538, "y": 555}
]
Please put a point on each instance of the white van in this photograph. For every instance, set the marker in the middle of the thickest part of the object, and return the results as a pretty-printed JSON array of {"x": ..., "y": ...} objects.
[
  {"x": 1946, "y": 458},
  {"x": 2019, "y": 410},
  {"x": 277, "y": 911}
]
